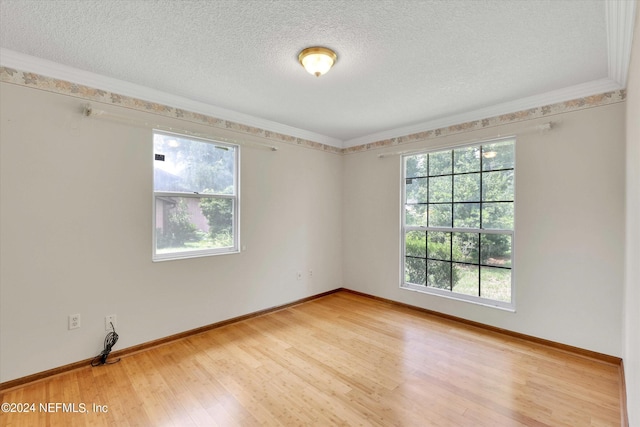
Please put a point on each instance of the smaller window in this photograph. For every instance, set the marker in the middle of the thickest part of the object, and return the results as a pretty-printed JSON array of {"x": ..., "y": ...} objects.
[{"x": 195, "y": 197}]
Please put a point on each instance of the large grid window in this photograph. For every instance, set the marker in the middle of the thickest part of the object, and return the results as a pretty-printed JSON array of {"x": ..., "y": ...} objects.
[
  {"x": 195, "y": 197},
  {"x": 458, "y": 219}
]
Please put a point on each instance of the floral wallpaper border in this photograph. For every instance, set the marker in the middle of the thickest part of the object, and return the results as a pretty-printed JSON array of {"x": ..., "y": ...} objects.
[
  {"x": 50, "y": 84},
  {"x": 606, "y": 98}
]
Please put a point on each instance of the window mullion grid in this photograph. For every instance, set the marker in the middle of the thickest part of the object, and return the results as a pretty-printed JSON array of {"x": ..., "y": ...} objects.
[
  {"x": 452, "y": 222},
  {"x": 459, "y": 229},
  {"x": 426, "y": 233},
  {"x": 480, "y": 234}
]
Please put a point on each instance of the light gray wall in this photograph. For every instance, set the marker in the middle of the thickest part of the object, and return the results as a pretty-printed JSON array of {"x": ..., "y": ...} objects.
[
  {"x": 75, "y": 218},
  {"x": 569, "y": 232},
  {"x": 632, "y": 282}
]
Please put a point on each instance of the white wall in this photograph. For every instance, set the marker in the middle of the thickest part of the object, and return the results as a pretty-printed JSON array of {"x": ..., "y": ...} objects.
[
  {"x": 75, "y": 222},
  {"x": 569, "y": 233},
  {"x": 632, "y": 282}
]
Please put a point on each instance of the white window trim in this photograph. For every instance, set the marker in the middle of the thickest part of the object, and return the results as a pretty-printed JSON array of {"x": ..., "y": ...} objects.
[
  {"x": 507, "y": 306},
  {"x": 156, "y": 257}
]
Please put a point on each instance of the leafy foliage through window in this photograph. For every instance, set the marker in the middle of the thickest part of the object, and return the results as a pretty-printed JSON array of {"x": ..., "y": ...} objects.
[
  {"x": 458, "y": 222},
  {"x": 195, "y": 186}
]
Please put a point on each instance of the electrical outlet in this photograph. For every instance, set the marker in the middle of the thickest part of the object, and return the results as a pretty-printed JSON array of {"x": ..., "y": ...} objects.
[
  {"x": 310, "y": 274},
  {"x": 108, "y": 320},
  {"x": 299, "y": 275},
  {"x": 74, "y": 321}
]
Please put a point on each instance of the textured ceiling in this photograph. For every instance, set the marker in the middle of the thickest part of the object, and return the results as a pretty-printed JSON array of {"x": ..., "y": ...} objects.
[{"x": 400, "y": 63}]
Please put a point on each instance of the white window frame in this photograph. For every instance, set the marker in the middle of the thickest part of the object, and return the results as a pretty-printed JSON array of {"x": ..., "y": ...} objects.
[
  {"x": 508, "y": 306},
  {"x": 235, "y": 247}
]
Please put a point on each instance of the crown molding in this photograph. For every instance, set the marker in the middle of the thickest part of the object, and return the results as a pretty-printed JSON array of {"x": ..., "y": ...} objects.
[
  {"x": 620, "y": 17},
  {"x": 562, "y": 95},
  {"x": 21, "y": 61}
]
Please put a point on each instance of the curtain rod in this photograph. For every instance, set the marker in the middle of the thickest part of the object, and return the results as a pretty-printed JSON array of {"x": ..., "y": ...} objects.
[
  {"x": 542, "y": 128},
  {"x": 89, "y": 111}
]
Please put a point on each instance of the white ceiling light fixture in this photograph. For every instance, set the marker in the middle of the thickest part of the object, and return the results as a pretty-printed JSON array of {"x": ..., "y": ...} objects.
[{"x": 317, "y": 60}]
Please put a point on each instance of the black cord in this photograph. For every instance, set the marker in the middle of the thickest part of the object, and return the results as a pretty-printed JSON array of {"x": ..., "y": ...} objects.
[{"x": 109, "y": 341}]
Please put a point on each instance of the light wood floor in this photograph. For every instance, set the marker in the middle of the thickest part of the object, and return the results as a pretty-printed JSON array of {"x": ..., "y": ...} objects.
[{"x": 343, "y": 359}]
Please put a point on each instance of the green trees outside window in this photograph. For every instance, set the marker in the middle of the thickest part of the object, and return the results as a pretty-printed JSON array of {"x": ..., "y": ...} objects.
[
  {"x": 195, "y": 195},
  {"x": 459, "y": 219}
]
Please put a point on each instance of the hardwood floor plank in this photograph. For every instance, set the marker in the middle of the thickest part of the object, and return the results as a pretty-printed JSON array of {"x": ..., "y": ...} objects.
[{"x": 343, "y": 359}]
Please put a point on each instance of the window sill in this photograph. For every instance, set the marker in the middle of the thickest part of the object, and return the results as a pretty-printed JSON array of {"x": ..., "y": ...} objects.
[
  {"x": 192, "y": 254},
  {"x": 509, "y": 307}
]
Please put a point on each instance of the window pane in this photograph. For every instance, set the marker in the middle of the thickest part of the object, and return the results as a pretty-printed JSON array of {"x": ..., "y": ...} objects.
[
  {"x": 466, "y": 188},
  {"x": 466, "y": 215},
  {"x": 416, "y": 166},
  {"x": 498, "y": 155},
  {"x": 466, "y": 279},
  {"x": 439, "y": 274},
  {"x": 495, "y": 283},
  {"x": 415, "y": 215},
  {"x": 497, "y": 216},
  {"x": 192, "y": 166},
  {"x": 440, "y": 163},
  {"x": 495, "y": 249},
  {"x": 416, "y": 190},
  {"x": 466, "y": 159},
  {"x": 415, "y": 270},
  {"x": 466, "y": 247},
  {"x": 440, "y": 215},
  {"x": 440, "y": 189},
  {"x": 192, "y": 223},
  {"x": 439, "y": 245},
  {"x": 219, "y": 213},
  {"x": 416, "y": 244},
  {"x": 497, "y": 186}
]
